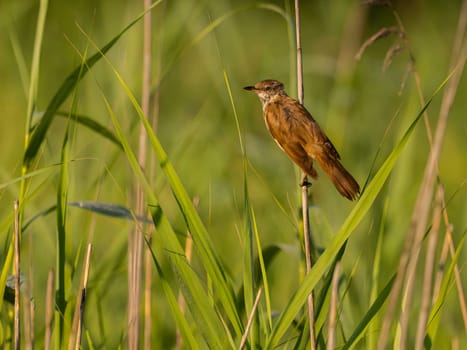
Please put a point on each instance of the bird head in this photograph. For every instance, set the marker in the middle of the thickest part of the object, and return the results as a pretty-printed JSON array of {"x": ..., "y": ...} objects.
[{"x": 267, "y": 90}]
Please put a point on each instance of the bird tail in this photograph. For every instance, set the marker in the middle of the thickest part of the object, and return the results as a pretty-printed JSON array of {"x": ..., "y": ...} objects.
[{"x": 340, "y": 177}]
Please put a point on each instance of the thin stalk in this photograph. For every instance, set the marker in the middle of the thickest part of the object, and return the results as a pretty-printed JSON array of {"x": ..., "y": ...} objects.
[
  {"x": 30, "y": 308},
  {"x": 32, "y": 99},
  {"x": 145, "y": 103},
  {"x": 17, "y": 260},
  {"x": 420, "y": 214},
  {"x": 331, "y": 345},
  {"x": 428, "y": 274},
  {"x": 81, "y": 302},
  {"x": 411, "y": 251},
  {"x": 250, "y": 319},
  {"x": 135, "y": 244},
  {"x": 376, "y": 272},
  {"x": 460, "y": 288},
  {"x": 49, "y": 309},
  {"x": 448, "y": 247},
  {"x": 28, "y": 311},
  {"x": 305, "y": 215},
  {"x": 148, "y": 264},
  {"x": 457, "y": 47}
]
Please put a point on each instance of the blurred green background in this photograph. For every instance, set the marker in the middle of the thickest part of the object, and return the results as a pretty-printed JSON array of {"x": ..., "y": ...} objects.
[{"x": 363, "y": 108}]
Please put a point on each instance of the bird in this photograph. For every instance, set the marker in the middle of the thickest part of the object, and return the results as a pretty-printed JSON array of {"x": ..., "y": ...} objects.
[{"x": 299, "y": 135}]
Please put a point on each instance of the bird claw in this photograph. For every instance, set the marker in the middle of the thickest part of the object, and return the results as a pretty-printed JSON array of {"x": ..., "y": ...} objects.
[{"x": 305, "y": 183}]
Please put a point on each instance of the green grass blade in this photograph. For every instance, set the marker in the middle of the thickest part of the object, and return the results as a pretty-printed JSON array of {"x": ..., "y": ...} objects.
[
  {"x": 372, "y": 311},
  {"x": 264, "y": 259},
  {"x": 361, "y": 208},
  {"x": 109, "y": 209},
  {"x": 248, "y": 254},
  {"x": 20, "y": 61},
  {"x": 38, "y": 215},
  {"x": 376, "y": 271},
  {"x": 435, "y": 314},
  {"x": 62, "y": 194},
  {"x": 223, "y": 286},
  {"x": 34, "y": 79},
  {"x": 92, "y": 125},
  {"x": 182, "y": 323},
  {"x": 201, "y": 238},
  {"x": 101, "y": 208},
  {"x": 196, "y": 297},
  {"x": 6, "y": 268},
  {"x": 66, "y": 88},
  {"x": 323, "y": 300},
  {"x": 249, "y": 285},
  {"x": 263, "y": 263},
  {"x": 29, "y": 175}
]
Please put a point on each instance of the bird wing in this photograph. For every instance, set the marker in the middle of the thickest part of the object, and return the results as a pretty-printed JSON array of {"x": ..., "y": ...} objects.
[
  {"x": 283, "y": 128},
  {"x": 305, "y": 127}
]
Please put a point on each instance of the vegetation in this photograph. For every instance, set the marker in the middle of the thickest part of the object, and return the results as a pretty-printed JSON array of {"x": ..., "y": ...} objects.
[{"x": 95, "y": 144}]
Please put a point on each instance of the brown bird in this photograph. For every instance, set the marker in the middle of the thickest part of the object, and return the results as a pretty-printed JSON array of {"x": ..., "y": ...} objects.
[{"x": 300, "y": 137}]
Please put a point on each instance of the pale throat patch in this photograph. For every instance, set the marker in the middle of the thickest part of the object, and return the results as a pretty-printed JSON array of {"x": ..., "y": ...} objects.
[{"x": 266, "y": 98}]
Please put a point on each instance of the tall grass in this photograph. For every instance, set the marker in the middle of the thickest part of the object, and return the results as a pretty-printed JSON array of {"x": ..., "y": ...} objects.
[{"x": 242, "y": 284}]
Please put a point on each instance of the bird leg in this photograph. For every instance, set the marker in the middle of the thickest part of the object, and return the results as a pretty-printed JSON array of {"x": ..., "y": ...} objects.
[{"x": 305, "y": 182}]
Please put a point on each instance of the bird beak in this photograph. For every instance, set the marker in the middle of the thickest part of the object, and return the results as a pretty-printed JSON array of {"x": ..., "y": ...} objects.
[{"x": 249, "y": 88}]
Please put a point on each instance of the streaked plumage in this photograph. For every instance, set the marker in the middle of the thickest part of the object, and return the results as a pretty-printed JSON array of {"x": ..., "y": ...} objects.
[{"x": 299, "y": 135}]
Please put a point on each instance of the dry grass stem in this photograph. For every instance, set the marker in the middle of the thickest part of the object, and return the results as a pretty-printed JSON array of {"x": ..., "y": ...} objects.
[
  {"x": 145, "y": 104},
  {"x": 456, "y": 52},
  {"x": 393, "y": 51},
  {"x": 134, "y": 283},
  {"x": 420, "y": 213},
  {"x": 17, "y": 271},
  {"x": 408, "y": 70},
  {"x": 428, "y": 274},
  {"x": 382, "y": 33},
  {"x": 331, "y": 345},
  {"x": 393, "y": 296},
  {"x": 441, "y": 266},
  {"x": 74, "y": 342},
  {"x": 135, "y": 244},
  {"x": 306, "y": 220},
  {"x": 460, "y": 288},
  {"x": 250, "y": 319},
  {"x": 448, "y": 247},
  {"x": 173, "y": 57},
  {"x": 49, "y": 309},
  {"x": 28, "y": 312},
  {"x": 154, "y": 116},
  {"x": 29, "y": 309},
  {"x": 82, "y": 301}
]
